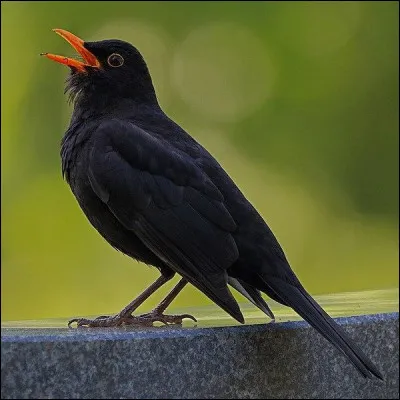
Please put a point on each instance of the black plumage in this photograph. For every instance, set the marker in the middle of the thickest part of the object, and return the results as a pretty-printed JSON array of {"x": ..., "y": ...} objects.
[{"x": 158, "y": 196}]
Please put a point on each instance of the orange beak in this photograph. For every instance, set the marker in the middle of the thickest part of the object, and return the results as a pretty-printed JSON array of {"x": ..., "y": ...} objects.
[{"x": 78, "y": 44}]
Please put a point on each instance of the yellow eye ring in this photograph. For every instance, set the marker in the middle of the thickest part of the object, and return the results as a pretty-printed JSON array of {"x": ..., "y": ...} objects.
[{"x": 115, "y": 60}]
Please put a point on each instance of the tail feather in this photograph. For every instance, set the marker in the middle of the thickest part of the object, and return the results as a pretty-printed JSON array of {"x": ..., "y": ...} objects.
[
  {"x": 251, "y": 294},
  {"x": 297, "y": 298}
]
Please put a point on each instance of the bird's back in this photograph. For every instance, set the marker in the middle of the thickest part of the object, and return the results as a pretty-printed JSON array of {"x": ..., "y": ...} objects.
[{"x": 255, "y": 240}]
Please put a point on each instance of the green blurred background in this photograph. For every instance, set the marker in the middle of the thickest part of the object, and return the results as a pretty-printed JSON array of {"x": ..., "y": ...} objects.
[{"x": 298, "y": 101}]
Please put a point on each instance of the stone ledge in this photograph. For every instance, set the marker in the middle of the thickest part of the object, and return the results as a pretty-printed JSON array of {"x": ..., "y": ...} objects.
[{"x": 281, "y": 360}]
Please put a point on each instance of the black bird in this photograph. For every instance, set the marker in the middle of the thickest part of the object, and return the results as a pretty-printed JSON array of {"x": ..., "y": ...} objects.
[{"x": 157, "y": 195}]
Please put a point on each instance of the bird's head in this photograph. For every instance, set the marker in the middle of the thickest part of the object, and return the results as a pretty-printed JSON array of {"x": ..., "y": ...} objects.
[{"x": 108, "y": 69}]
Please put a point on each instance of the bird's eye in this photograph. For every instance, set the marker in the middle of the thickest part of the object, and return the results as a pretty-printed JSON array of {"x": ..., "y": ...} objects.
[{"x": 115, "y": 60}]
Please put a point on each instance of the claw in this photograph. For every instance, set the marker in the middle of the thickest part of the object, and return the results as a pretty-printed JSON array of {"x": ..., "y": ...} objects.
[
  {"x": 189, "y": 317},
  {"x": 79, "y": 322},
  {"x": 168, "y": 319},
  {"x": 72, "y": 321}
]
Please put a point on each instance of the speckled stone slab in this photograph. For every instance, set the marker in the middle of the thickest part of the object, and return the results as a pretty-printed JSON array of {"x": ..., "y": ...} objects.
[{"x": 281, "y": 360}]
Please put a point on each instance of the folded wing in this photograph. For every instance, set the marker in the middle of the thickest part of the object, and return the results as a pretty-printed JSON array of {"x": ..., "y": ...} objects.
[{"x": 170, "y": 204}]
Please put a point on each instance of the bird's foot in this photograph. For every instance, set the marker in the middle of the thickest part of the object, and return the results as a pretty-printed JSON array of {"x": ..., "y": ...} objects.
[
  {"x": 125, "y": 320},
  {"x": 102, "y": 321},
  {"x": 156, "y": 316}
]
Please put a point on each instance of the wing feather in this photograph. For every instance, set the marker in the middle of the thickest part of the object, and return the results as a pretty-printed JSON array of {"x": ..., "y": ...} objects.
[{"x": 171, "y": 205}]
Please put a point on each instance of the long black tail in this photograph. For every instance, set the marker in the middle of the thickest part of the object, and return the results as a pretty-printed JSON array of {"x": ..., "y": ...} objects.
[{"x": 297, "y": 298}]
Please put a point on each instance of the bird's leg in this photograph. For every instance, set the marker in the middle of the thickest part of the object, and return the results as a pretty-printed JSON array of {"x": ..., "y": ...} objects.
[
  {"x": 158, "y": 313},
  {"x": 124, "y": 317}
]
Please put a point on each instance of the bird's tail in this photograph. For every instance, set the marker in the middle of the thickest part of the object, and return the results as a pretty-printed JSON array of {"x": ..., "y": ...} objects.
[
  {"x": 297, "y": 298},
  {"x": 251, "y": 294}
]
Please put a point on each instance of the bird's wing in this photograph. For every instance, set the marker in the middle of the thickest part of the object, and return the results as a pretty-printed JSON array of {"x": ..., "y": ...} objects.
[{"x": 170, "y": 204}]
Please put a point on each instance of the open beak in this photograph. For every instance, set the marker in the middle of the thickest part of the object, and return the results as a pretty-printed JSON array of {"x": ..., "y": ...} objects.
[{"x": 78, "y": 44}]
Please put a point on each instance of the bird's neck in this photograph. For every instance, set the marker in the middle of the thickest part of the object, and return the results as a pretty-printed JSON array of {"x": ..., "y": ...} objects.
[
  {"x": 87, "y": 107},
  {"x": 100, "y": 97}
]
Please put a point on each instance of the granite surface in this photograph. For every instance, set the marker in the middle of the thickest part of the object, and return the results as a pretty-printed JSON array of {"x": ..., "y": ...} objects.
[{"x": 280, "y": 360}]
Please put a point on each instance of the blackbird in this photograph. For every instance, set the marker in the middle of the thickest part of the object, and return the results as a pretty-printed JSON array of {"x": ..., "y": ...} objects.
[{"x": 158, "y": 196}]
